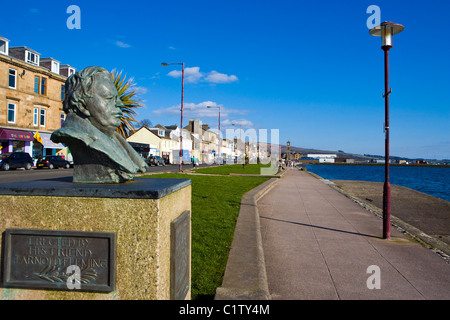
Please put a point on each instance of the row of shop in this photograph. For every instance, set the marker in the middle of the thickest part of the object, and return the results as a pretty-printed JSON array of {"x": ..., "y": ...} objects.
[
  {"x": 147, "y": 150},
  {"x": 36, "y": 143},
  {"x": 172, "y": 157}
]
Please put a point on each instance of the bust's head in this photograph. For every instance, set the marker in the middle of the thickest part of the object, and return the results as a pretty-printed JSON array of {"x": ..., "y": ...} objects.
[{"x": 91, "y": 94}]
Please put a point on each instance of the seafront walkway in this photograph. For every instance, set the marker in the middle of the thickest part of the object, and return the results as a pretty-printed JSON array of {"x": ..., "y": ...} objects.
[{"x": 319, "y": 244}]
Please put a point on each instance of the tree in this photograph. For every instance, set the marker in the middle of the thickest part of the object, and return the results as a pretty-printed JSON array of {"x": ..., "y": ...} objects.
[
  {"x": 128, "y": 96},
  {"x": 146, "y": 123}
]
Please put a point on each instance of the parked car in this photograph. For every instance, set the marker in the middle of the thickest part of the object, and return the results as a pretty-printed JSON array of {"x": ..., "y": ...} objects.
[
  {"x": 52, "y": 162},
  {"x": 156, "y": 161},
  {"x": 15, "y": 160}
]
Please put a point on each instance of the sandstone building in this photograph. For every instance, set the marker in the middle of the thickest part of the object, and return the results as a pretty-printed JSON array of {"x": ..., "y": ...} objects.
[{"x": 31, "y": 95}]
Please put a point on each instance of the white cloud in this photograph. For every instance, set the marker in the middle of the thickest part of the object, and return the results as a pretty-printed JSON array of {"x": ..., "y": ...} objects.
[
  {"x": 193, "y": 75},
  {"x": 122, "y": 44},
  {"x": 244, "y": 123},
  {"x": 240, "y": 128},
  {"x": 216, "y": 77},
  {"x": 200, "y": 110},
  {"x": 209, "y": 116}
]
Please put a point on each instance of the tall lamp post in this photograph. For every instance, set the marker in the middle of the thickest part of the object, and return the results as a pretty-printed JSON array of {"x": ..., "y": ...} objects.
[
  {"x": 164, "y": 64},
  {"x": 240, "y": 138},
  {"x": 220, "y": 140},
  {"x": 386, "y": 31}
]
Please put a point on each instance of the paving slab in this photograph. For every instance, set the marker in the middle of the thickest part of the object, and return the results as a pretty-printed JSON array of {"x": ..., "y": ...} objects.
[{"x": 320, "y": 245}]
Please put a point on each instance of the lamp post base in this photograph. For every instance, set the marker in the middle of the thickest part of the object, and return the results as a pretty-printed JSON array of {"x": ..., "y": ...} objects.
[{"x": 387, "y": 210}]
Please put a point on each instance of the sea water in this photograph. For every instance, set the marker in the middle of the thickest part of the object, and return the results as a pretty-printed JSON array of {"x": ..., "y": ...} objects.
[{"x": 434, "y": 181}]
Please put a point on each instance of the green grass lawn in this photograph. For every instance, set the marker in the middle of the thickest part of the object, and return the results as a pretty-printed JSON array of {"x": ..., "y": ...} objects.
[
  {"x": 215, "y": 208},
  {"x": 233, "y": 168}
]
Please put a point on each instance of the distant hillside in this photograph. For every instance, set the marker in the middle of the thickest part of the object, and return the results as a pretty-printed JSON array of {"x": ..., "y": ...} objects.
[
  {"x": 305, "y": 151},
  {"x": 339, "y": 153},
  {"x": 342, "y": 154}
]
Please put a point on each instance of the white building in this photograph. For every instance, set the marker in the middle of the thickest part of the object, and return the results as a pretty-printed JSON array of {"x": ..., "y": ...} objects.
[
  {"x": 323, "y": 158},
  {"x": 145, "y": 136}
]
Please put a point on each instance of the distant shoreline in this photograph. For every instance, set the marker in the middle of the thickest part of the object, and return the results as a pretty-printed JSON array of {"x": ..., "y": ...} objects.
[{"x": 381, "y": 164}]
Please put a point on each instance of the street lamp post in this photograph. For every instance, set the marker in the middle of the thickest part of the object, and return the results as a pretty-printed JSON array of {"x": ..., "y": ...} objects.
[
  {"x": 182, "y": 98},
  {"x": 240, "y": 129},
  {"x": 386, "y": 31},
  {"x": 220, "y": 140},
  {"x": 240, "y": 138}
]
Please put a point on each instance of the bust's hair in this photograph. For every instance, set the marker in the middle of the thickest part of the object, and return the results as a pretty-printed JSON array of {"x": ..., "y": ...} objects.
[{"x": 78, "y": 87}]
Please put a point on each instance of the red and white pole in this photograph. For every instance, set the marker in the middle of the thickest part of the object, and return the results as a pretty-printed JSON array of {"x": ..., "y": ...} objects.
[
  {"x": 181, "y": 129},
  {"x": 387, "y": 185}
]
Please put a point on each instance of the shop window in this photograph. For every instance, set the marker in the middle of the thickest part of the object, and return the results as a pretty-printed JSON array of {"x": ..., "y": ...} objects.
[{"x": 18, "y": 146}]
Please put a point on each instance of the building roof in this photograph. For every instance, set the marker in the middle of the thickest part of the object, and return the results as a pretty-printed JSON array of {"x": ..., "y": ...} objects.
[
  {"x": 143, "y": 128},
  {"x": 49, "y": 59},
  {"x": 172, "y": 127},
  {"x": 193, "y": 136},
  {"x": 23, "y": 48},
  {"x": 159, "y": 127}
]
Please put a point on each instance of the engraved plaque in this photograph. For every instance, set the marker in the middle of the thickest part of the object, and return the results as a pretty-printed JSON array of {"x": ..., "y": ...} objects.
[
  {"x": 40, "y": 259},
  {"x": 180, "y": 256}
]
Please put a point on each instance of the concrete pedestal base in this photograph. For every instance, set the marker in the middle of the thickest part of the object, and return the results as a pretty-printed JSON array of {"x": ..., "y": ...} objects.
[{"x": 141, "y": 214}]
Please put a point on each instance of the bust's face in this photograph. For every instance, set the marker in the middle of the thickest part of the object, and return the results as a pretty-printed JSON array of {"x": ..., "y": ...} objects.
[{"x": 105, "y": 105}]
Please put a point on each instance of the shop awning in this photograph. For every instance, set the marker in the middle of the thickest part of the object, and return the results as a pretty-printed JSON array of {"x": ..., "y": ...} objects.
[
  {"x": 10, "y": 134},
  {"x": 141, "y": 147},
  {"x": 49, "y": 144}
]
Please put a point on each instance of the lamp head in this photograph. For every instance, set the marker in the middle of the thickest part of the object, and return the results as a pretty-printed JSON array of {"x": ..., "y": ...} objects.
[{"x": 386, "y": 31}]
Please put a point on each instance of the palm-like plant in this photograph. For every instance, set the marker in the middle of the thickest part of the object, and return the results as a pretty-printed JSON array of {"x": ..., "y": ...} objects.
[{"x": 128, "y": 96}]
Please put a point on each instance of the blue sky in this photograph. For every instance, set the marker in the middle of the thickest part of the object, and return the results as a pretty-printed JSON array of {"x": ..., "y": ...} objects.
[{"x": 307, "y": 68}]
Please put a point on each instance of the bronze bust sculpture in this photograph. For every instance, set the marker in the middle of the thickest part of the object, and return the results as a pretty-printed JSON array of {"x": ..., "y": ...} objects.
[{"x": 93, "y": 109}]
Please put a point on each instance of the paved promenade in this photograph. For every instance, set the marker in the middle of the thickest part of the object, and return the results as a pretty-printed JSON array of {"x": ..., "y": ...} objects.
[{"x": 319, "y": 244}]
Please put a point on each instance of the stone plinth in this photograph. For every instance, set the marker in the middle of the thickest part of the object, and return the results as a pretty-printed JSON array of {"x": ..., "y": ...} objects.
[{"x": 141, "y": 213}]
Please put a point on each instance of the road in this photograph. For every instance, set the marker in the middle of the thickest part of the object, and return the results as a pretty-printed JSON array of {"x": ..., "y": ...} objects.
[{"x": 20, "y": 175}]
